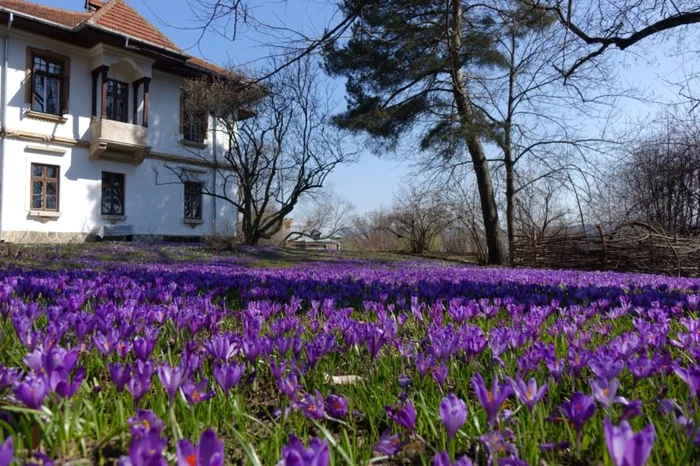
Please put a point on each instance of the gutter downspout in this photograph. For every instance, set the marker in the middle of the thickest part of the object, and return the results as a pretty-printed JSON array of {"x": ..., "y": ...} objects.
[{"x": 3, "y": 109}]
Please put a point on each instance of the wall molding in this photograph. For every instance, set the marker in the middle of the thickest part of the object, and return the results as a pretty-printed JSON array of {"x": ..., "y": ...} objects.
[{"x": 30, "y": 136}]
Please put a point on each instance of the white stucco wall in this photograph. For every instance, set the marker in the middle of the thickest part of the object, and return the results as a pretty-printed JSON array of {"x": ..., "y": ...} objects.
[{"x": 153, "y": 198}]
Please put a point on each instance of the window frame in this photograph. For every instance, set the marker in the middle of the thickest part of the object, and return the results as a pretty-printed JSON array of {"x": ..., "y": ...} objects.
[
  {"x": 187, "y": 120},
  {"x": 63, "y": 79},
  {"x": 188, "y": 191},
  {"x": 114, "y": 95},
  {"x": 122, "y": 197},
  {"x": 44, "y": 180}
]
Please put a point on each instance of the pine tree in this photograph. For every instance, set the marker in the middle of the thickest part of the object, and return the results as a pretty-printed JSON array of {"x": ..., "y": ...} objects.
[{"x": 408, "y": 66}]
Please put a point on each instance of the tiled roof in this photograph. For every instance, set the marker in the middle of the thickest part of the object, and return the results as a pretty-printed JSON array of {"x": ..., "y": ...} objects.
[
  {"x": 55, "y": 15},
  {"x": 113, "y": 16},
  {"x": 117, "y": 16}
]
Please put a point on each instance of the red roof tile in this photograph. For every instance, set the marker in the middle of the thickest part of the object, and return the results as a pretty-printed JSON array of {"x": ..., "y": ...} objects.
[
  {"x": 113, "y": 16},
  {"x": 56, "y": 15},
  {"x": 120, "y": 17}
]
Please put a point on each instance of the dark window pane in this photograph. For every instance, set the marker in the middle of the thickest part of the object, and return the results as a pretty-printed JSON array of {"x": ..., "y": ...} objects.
[
  {"x": 37, "y": 188},
  {"x": 53, "y": 96},
  {"x": 37, "y": 201},
  {"x": 112, "y": 193},
  {"x": 51, "y": 203},
  {"x": 39, "y": 94},
  {"x": 37, "y": 170},
  {"x": 51, "y": 188},
  {"x": 39, "y": 64},
  {"x": 51, "y": 171}
]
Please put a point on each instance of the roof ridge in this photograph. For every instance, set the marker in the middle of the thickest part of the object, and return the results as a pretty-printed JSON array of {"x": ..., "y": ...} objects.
[{"x": 95, "y": 16}]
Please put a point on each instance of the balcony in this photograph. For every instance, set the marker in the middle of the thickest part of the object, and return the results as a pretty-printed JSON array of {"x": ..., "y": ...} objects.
[{"x": 117, "y": 141}]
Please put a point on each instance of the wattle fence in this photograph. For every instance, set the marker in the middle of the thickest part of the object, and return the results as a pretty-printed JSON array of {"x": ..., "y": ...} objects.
[{"x": 630, "y": 247}]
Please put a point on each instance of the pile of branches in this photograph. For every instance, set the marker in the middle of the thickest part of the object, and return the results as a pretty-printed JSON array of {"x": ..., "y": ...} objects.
[{"x": 630, "y": 247}]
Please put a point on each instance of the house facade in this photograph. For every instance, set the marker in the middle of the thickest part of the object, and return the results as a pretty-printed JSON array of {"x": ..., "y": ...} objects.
[{"x": 94, "y": 140}]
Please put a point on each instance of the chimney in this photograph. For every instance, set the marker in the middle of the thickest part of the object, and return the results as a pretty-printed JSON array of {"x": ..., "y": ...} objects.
[{"x": 93, "y": 5}]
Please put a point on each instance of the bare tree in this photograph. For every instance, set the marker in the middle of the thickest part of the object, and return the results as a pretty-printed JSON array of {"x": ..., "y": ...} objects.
[
  {"x": 324, "y": 216},
  {"x": 418, "y": 217},
  {"x": 539, "y": 211},
  {"x": 370, "y": 232},
  {"x": 607, "y": 24},
  {"x": 659, "y": 183},
  {"x": 285, "y": 149}
]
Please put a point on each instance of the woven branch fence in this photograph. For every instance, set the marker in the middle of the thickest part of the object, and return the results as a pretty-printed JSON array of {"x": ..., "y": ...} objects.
[{"x": 630, "y": 247}]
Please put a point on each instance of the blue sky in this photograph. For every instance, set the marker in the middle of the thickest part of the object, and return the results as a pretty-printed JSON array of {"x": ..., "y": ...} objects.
[{"x": 371, "y": 182}]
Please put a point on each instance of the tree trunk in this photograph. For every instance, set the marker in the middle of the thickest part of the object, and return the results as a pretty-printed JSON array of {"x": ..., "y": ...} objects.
[
  {"x": 508, "y": 152},
  {"x": 510, "y": 204},
  {"x": 494, "y": 236}
]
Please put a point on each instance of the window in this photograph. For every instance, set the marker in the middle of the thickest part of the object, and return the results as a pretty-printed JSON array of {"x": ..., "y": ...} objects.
[
  {"x": 44, "y": 182},
  {"x": 193, "y": 126},
  {"x": 194, "y": 129},
  {"x": 49, "y": 83},
  {"x": 117, "y": 100},
  {"x": 193, "y": 200},
  {"x": 112, "y": 193}
]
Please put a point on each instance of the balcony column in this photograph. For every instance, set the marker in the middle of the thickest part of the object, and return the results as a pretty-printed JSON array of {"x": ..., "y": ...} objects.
[
  {"x": 100, "y": 70},
  {"x": 104, "y": 70},
  {"x": 146, "y": 86},
  {"x": 136, "y": 84}
]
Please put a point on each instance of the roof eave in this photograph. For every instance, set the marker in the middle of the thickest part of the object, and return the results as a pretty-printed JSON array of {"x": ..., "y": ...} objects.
[{"x": 24, "y": 15}]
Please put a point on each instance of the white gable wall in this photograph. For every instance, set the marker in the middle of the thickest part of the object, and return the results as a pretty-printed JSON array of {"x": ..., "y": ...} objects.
[{"x": 153, "y": 197}]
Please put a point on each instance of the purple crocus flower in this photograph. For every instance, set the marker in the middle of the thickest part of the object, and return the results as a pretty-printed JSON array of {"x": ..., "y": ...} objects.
[
  {"x": 145, "y": 421},
  {"x": 547, "y": 447},
  {"x": 497, "y": 442},
  {"x": 196, "y": 393},
  {"x": 529, "y": 394},
  {"x": 625, "y": 447},
  {"x": 171, "y": 379},
  {"x": 120, "y": 375},
  {"x": 7, "y": 451},
  {"x": 8, "y": 376},
  {"x": 228, "y": 375},
  {"x": 143, "y": 347},
  {"x": 209, "y": 451},
  {"x": 146, "y": 450},
  {"x": 453, "y": 412},
  {"x": 604, "y": 391},
  {"x": 65, "y": 386},
  {"x": 556, "y": 368},
  {"x": 32, "y": 391},
  {"x": 39, "y": 459},
  {"x": 312, "y": 405},
  {"x": 493, "y": 399},
  {"x": 138, "y": 387},
  {"x": 443, "y": 459},
  {"x": 404, "y": 414},
  {"x": 294, "y": 453},
  {"x": 404, "y": 381},
  {"x": 691, "y": 376},
  {"x": 389, "y": 444},
  {"x": 631, "y": 409},
  {"x": 578, "y": 410},
  {"x": 337, "y": 406}
]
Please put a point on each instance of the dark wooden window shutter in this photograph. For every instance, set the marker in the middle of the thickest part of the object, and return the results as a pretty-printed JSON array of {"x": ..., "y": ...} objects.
[
  {"x": 182, "y": 111},
  {"x": 65, "y": 94}
]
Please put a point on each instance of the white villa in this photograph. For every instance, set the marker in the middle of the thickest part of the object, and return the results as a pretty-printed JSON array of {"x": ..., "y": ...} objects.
[{"x": 93, "y": 142}]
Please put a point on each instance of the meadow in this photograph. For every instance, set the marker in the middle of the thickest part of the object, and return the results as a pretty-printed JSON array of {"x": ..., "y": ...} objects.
[{"x": 117, "y": 355}]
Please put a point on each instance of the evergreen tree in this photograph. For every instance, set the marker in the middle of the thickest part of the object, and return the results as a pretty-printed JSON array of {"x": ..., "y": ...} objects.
[{"x": 409, "y": 67}]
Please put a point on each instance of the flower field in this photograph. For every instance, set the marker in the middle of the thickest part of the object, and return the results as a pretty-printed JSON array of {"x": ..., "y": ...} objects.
[{"x": 217, "y": 362}]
